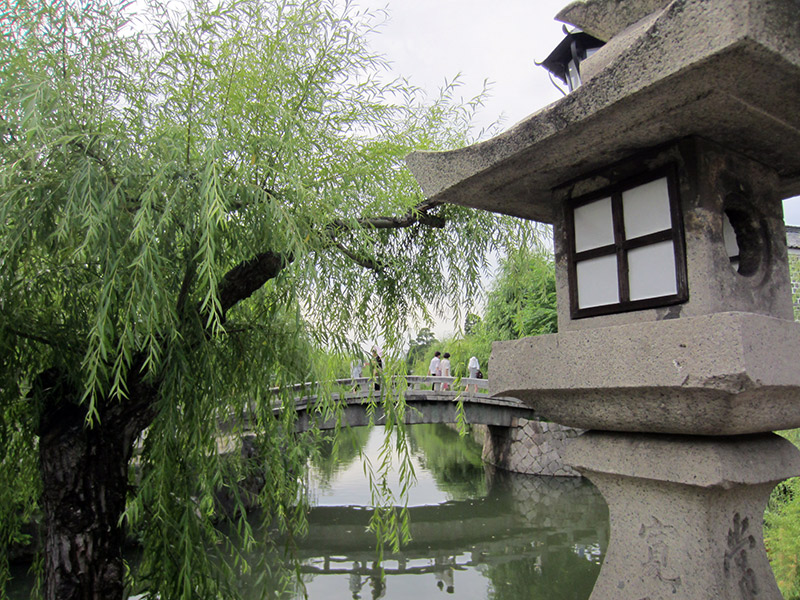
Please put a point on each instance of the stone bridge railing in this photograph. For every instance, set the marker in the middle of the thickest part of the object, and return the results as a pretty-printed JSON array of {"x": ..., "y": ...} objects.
[
  {"x": 427, "y": 400},
  {"x": 456, "y": 385}
]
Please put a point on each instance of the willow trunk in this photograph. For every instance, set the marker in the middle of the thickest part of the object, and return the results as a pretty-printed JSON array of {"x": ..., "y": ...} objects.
[{"x": 84, "y": 470}]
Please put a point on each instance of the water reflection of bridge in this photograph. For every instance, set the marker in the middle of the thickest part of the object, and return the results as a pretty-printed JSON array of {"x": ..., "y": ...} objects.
[
  {"x": 444, "y": 528},
  {"x": 535, "y": 519}
]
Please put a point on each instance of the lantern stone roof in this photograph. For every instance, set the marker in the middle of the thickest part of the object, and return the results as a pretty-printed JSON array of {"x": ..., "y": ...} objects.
[
  {"x": 604, "y": 19},
  {"x": 724, "y": 70}
]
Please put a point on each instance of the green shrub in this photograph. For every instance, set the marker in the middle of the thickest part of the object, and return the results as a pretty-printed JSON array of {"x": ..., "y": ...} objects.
[{"x": 782, "y": 531}]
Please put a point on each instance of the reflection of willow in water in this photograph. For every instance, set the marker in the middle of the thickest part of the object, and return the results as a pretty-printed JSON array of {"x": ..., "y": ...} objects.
[
  {"x": 501, "y": 536},
  {"x": 453, "y": 460},
  {"x": 572, "y": 519},
  {"x": 556, "y": 574},
  {"x": 334, "y": 452}
]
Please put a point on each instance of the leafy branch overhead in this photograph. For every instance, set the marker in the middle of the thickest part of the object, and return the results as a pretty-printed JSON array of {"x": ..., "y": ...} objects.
[{"x": 196, "y": 197}]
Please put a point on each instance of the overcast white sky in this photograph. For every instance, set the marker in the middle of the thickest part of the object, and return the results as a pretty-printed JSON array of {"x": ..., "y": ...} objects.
[
  {"x": 429, "y": 41},
  {"x": 433, "y": 40}
]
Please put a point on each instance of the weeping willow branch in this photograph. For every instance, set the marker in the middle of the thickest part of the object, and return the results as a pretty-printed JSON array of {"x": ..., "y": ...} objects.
[
  {"x": 32, "y": 337},
  {"x": 363, "y": 261},
  {"x": 417, "y": 214}
]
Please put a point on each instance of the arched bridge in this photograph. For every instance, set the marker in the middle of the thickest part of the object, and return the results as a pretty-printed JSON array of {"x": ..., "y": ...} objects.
[{"x": 439, "y": 404}]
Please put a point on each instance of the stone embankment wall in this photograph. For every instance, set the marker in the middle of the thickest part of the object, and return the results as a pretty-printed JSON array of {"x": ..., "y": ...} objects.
[
  {"x": 794, "y": 270},
  {"x": 532, "y": 447}
]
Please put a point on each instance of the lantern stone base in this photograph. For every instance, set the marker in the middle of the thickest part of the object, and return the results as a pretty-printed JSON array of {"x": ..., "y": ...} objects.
[{"x": 685, "y": 512}]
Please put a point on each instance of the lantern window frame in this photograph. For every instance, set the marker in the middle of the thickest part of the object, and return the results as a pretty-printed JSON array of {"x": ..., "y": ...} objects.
[{"x": 621, "y": 246}]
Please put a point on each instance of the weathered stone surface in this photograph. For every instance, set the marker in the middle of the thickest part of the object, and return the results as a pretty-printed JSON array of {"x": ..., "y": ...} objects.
[
  {"x": 727, "y": 70},
  {"x": 685, "y": 513},
  {"x": 722, "y": 76},
  {"x": 719, "y": 374},
  {"x": 604, "y": 19},
  {"x": 698, "y": 461}
]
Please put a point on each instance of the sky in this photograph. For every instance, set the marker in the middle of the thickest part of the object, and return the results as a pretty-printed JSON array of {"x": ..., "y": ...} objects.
[
  {"x": 431, "y": 41},
  {"x": 499, "y": 41}
]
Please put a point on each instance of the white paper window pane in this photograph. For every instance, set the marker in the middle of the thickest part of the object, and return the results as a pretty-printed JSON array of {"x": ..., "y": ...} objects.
[
  {"x": 594, "y": 226},
  {"x": 597, "y": 281},
  {"x": 574, "y": 77},
  {"x": 651, "y": 271},
  {"x": 729, "y": 236},
  {"x": 645, "y": 209}
]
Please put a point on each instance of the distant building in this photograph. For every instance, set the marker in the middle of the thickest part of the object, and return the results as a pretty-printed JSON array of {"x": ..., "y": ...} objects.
[{"x": 793, "y": 245}]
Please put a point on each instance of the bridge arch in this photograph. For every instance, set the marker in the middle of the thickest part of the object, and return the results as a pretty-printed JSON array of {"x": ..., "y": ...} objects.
[
  {"x": 515, "y": 439},
  {"x": 363, "y": 406}
]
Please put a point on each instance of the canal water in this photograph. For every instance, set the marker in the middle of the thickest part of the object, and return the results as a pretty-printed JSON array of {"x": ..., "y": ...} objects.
[{"x": 477, "y": 533}]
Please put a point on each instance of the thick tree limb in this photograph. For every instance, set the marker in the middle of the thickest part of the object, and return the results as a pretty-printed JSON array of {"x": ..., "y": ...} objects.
[
  {"x": 243, "y": 280},
  {"x": 32, "y": 337}
]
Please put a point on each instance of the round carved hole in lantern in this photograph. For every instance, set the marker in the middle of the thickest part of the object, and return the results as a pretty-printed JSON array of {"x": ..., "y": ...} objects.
[{"x": 743, "y": 234}]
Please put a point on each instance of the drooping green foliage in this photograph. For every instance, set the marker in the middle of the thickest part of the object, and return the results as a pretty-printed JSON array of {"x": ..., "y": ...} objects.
[
  {"x": 196, "y": 198},
  {"x": 522, "y": 300}
]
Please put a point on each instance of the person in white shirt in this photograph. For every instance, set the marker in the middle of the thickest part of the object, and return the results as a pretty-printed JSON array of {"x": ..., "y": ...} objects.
[
  {"x": 473, "y": 366},
  {"x": 444, "y": 368},
  {"x": 433, "y": 368},
  {"x": 356, "y": 368}
]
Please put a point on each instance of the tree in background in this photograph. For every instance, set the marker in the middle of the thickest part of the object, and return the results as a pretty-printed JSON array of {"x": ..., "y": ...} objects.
[
  {"x": 472, "y": 322},
  {"x": 522, "y": 300},
  {"x": 782, "y": 530},
  {"x": 194, "y": 201},
  {"x": 418, "y": 347}
]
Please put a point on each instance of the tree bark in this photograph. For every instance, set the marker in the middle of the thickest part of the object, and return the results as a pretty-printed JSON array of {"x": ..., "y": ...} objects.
[{"x": 84, "y": 470}]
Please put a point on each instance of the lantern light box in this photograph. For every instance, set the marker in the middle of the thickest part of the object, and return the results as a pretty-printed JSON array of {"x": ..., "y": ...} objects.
[{"x": 626, "y": 247}]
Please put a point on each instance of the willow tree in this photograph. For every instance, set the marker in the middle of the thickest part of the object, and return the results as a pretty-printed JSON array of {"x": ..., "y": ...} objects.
[{"x": 192, "y": 197}]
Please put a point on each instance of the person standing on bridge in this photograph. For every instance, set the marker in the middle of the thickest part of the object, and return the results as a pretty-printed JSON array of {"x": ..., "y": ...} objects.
[
  {"x": 377, "y": 367},
  {"x": 433, "y": 368},
  {"x": 444, "y": 368},
  {"x": 474, "y": 366},
  {"x": 356, "y": 368}
]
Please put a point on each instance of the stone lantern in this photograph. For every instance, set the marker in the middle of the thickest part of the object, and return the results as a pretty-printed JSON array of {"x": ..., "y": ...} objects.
[{"x": 663, "y": 175}]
